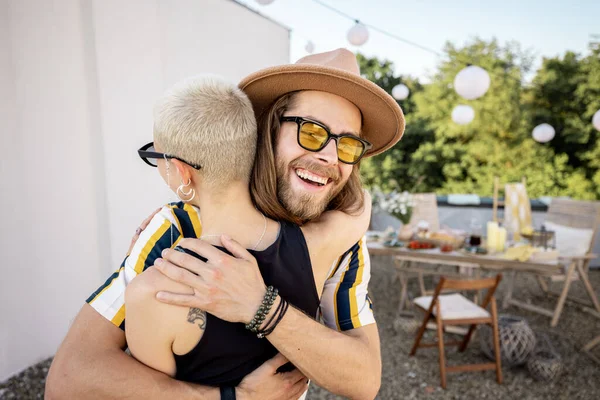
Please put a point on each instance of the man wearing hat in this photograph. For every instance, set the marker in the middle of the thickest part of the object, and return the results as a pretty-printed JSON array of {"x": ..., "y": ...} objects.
[{"x": 317, "y": 119}]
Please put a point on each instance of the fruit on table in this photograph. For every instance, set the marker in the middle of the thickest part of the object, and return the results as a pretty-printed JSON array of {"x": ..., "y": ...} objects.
[
  {"x": 446, "y": 248},
  {"x": 417, "y": 245}
]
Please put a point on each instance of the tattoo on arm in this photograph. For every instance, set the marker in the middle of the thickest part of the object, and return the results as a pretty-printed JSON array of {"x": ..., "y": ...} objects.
[{"x": 196, "y": 314}]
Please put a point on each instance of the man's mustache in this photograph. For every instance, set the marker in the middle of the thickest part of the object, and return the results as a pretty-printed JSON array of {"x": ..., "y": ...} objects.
[{"x": 328, "y": 172}]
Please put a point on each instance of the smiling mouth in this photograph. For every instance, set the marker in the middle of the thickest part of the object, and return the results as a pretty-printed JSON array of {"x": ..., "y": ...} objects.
[{"x": 311, "y": 178}]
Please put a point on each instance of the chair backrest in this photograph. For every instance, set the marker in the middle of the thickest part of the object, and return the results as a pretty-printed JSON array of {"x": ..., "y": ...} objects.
[
  {"x": 426, "y": 209},
  {"x": 491, "y": 284},
  {"x": 576, "y": 214}
]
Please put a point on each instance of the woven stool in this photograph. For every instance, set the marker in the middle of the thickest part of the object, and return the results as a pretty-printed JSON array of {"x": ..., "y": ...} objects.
[{"x": 517, "y": 340}]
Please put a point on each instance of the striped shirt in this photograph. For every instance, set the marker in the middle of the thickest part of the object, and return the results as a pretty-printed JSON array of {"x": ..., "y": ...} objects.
[{"x": 345, "y": 303}]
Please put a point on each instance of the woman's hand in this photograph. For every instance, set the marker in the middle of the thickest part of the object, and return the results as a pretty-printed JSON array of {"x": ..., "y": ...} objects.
[
  {"x": 140, "y": 228},
  {"x": 265, "y": 383}
]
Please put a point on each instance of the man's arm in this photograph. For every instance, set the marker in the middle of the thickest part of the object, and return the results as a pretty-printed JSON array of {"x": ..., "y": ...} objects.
[
  {"x": 345, "y": 363},
  {"x": 91, "y": 363}
]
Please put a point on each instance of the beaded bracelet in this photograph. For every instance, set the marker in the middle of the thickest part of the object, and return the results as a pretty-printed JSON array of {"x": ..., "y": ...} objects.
[{"x": 263, "y": 310}]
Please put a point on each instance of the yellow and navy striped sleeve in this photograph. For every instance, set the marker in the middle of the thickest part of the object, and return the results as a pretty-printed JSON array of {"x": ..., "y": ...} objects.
[
  {"x": 345, "y": 303},
  {"x": 165, "y": 230}
]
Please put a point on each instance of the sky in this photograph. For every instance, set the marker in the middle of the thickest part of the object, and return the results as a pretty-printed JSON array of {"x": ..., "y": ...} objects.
[{"x": 547, "y": 28}]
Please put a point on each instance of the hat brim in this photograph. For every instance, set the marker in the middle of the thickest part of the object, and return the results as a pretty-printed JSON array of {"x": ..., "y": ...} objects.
[{"x": 383, "y": 119}]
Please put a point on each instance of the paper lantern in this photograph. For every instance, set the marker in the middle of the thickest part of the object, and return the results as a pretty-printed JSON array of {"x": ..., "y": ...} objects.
[
  {"x": 400, "y": 92},
  {"x": 596, "y": 120},
  {"x": 462, "y": 114},
  {"x": 358, "y": 34},
  {"x": 543, "y": 133},
  {"x": 309, "y": 47},
  {"x": 472, "y": 82},
  {"x": 264, "y": 2}
]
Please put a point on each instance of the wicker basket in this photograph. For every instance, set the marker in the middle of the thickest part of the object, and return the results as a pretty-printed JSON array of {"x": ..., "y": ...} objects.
[
  {"x": 545, "y": 364},
  {"x": 517, "y": 340}
]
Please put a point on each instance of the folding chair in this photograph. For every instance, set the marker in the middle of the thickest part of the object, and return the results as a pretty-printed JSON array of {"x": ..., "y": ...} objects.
[{"x": 455, "y": 309}]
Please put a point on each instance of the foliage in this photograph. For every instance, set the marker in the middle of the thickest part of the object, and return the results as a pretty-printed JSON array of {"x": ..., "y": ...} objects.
[{"x": 438, "y": 155}]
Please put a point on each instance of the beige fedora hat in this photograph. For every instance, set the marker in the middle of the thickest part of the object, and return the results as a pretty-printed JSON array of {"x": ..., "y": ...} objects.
[{"x": 334, "y": 72}]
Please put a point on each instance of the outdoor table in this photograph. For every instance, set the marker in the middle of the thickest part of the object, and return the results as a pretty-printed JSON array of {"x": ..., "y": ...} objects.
[{"x": 490, "y": 262}]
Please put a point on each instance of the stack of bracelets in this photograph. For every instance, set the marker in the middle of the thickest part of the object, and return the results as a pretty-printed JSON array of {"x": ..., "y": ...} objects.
[{"x": 264, "y": 310}]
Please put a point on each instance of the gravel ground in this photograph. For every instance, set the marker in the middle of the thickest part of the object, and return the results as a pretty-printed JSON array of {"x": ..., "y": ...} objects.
[{"x": 417, "y": 377}]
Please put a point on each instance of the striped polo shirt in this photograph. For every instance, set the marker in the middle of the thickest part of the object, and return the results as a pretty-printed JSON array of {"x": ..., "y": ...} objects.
[{"x": 345, "y": 303}]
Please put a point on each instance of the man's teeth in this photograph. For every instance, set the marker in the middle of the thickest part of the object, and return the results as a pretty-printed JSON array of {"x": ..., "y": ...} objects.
[{"x": 313, "y": 178}]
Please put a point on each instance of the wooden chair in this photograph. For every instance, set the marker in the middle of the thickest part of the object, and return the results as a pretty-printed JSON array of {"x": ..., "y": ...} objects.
[
  {"x": 455, "y": 309},
  {"x": 425, "y": 209},
  {"x": 574, "y": 214}
]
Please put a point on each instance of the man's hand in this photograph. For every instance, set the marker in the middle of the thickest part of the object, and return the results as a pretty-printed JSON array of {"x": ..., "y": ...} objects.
[
  {"x": 229, "y": 287},
  {"x": 265, "y": 383}
]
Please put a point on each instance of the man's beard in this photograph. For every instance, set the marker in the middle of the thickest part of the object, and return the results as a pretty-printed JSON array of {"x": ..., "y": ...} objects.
[{"x": 304, "y": 205}]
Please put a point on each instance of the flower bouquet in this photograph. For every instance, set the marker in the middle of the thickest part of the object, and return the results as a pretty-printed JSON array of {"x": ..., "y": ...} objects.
[{"x": 400, "y": 205}]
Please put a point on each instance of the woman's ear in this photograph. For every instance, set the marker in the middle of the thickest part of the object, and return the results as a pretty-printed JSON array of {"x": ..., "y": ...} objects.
[{"x": 183, "y": 170}]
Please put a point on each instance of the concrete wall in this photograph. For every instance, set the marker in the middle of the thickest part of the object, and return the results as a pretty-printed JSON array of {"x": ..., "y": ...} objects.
[{"x": 78, "y": 79}]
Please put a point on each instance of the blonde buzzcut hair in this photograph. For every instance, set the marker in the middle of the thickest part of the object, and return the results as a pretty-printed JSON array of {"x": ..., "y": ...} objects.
[{"x": 208, "y": 121}]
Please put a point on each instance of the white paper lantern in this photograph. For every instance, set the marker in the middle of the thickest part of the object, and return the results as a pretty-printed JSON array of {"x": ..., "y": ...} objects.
[
  {"x": 472, "y": 82},
  {"x": 400, "y": 92},
  {"x": 543, "y": 133},
  {"x": 309, "y": 47},
  {"x": 596, "y": 120},
  {"x": 264, "y": 2},
  {"x": 358, "y": 34},
  {"x": 463, "y": 114}
]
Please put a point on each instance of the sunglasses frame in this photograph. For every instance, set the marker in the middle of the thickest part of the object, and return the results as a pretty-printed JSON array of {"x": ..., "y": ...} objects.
[
  {"x": 145, "y": 154},
  {"x": 301, "y": 121}
]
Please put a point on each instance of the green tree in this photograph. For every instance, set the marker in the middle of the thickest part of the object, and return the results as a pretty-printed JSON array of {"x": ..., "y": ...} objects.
[
  {"x": 438, "y": 155},
  {"x": 392, "y": 169}
]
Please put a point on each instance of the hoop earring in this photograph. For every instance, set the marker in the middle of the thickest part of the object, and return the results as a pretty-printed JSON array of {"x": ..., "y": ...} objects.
[{"x": 191, "y": 192}]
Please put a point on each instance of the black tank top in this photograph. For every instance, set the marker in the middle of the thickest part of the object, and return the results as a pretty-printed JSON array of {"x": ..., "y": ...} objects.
[{"x": 227, "y": 351}]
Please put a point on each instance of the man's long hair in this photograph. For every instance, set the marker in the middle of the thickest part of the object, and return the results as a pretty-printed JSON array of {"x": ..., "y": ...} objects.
[{"x": 263, "y": 184}]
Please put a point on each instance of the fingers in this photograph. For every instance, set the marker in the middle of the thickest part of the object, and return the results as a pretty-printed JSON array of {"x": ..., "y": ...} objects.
[
  {"x": 204, "y": 249},
  {"x": 294, "y": 376},
  {"x": 178, "y": 299},
  {"x": 145, "y": 223},
  {"x": 182, "y": 275},
  {"x": 183, "y": 260},
  {"x": 298, "y": 389},
  {"x": 235, "y": 248},
  {"x": 141, "y": 228},
  {"x": 275, "y": 362}
]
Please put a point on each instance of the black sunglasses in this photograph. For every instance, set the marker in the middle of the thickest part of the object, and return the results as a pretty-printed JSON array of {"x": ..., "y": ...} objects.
[
  {"x": 314, "y": 136},
  {"x": 149, "y": 155}
]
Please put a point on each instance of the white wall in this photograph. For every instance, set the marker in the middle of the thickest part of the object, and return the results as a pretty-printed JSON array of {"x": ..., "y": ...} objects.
[{"x": 78, "y": 79}]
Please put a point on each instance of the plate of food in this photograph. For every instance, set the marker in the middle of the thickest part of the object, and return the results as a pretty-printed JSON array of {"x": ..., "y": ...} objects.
[{"x": 441, "y": 238}]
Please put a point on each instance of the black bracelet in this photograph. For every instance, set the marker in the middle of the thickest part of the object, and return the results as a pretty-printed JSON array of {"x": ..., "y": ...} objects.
[
  {"x": 273, "y": 317},
  {"x": 282, "y": 309},
  {"x": 263, "y": 310},
  {"x": 227, "y": 393}
]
